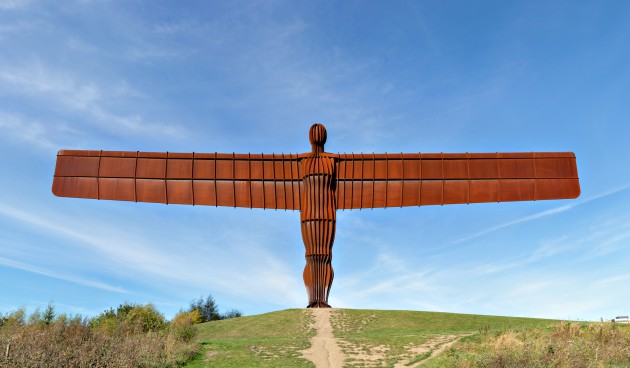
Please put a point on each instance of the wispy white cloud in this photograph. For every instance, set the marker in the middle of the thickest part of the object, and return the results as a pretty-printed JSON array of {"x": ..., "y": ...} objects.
[
  {"x": 539, "y": 215},
  {"x": 61, "y": 276},
  {"x": 545, "y": 250},
  {"x": 268, "y": 277},
  {"x": 521, "y": 220},
  {"x": 554, "y": 299},
  {"x": 16, "y": 127},
  {"x": 87, "y": 99},
  {"x": 620, "y": 280},
  {"x": 13, "y": 4}
]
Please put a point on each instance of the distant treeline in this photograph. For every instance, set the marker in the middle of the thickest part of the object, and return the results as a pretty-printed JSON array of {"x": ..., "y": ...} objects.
[{"x": 135, "y": 335}]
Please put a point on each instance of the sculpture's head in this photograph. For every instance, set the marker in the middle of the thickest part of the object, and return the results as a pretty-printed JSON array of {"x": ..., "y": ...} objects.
[{"x": 317, "y": 136}]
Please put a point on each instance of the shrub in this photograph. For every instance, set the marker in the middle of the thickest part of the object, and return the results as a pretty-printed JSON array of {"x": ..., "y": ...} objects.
[
  {"x": 232, "y": 313},
  {"x": 568, "y": 345},
  {"x": 129, "y": 318},
  {"x": 207, "y": 307},
  {"x": 131, "y": 336},
  {"x": 145, "y": 318},
  {"x": 15, "y": 318},
  {"x": 182, "y": 325}
]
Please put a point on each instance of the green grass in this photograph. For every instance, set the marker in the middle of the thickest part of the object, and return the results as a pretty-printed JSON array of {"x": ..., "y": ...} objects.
[
  {"x": 393, "y": 332},
  {"x": 275, "y": 339},
  {"x": 267, "y": 340}
]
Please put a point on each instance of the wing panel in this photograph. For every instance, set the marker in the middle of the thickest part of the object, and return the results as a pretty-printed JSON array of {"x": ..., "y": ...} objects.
[
  {"x": 225, "y": 193},
  {"x": 117, "y": 167},
  {"x": 204, "y": 192},
  {"x": 456, "y": 169},
  {"x": 151, "y": 168},
  {"x": 179, "y": 168},
  {"x": 556, "y": 168},
  {"x": 411, "y": 169},
  {"x": 258, "y": 197},
  {"x": 484, "y": 190},
  {"x": 151, "y": 190},
  {"x": 431, "y": 192},
  {"x": 483, "y": 168},
  {"x": 456, "y": 191},
  {"x": 517, "y": 190},
  {"x": 179, "y": 191},
  {"x": 393, "y": 195},
  {"x": 242, "y": 170},
  {"x": 379, "y": 193},
  {"x": 119, "y": 189},
  {"x": 77, "y": 166},
  {"x": 394, "y": 168},
  {"x": 516, "y": 168},
  {"x": 214, "y": 179},
  {"x": 242, "y": 194},
  {"x": 410, "y": 192},
  {"x": 224, "y": 169},
  {"x": 204, "y": 169},
  {"x": 392, "y": 180},
  {"x": 554, "y": 188},
  {"x": 76, "y": 187},
  {"x": 431, "y": 169}
]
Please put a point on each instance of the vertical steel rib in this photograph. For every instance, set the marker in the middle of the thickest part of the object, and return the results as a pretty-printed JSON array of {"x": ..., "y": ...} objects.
[
  {"x": 499, "y": 176},
  {"x": 192, "y": 178},
  {"x": 421, "y": 179},
  {"x": 216, "y": 162},
  {"x": 468, "y": 175},
  {"x": 275, "y": 188},
  {"x": 362, "y": 190},
  {"x": 402, "y": 181},
  {"x": 373, "y": 178},
  {"x": 98, "y": 176},
  {"x": 386, "y": 177},
  {"x": 443, "y": 179},
  {"x": 249, "y": 176},
  {"x": 135, "y": 178},
  {"x": 284, "y": 185},
  {"x": 165, "y": 176},
  {"x": 262, "y": 165},
  {"x": 352, "y": 182},
  {"x": 234, "y": 178},
  {"x": 535, "y": 177}
]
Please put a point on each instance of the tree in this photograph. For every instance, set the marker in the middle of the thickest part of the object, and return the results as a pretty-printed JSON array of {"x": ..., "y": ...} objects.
[
  {"x": 49, "y": 314},
  {"x": 232, "y": 313},
  {"x": 207, "y": 307}
]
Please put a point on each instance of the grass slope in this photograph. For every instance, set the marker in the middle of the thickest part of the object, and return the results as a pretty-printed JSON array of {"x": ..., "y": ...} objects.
[
  {"x": 272, "y": 339},
  {"x": 389, "y": 335},
  {"x": 275, "y": 339}
]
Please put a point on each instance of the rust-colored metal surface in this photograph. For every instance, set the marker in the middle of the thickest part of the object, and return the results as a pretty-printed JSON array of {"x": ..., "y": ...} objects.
[{"x": 317, "y": 184}]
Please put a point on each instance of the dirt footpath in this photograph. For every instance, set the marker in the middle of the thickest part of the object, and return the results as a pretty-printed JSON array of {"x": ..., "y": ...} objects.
[
  {"x": 324, "y": 351},
  {"x": 432, "y": 348}
]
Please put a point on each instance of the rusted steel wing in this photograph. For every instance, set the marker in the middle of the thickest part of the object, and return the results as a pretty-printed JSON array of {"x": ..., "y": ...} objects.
[
  {"x": 269, "y": 181},
  {"x": 418, "y": 179}
]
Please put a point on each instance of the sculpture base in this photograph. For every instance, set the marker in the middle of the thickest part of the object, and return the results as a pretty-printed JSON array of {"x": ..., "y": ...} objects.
[{"x": 318, "y": 305}]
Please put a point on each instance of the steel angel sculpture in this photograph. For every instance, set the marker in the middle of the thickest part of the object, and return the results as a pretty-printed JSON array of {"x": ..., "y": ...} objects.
[{"x": 317, "y": 184}]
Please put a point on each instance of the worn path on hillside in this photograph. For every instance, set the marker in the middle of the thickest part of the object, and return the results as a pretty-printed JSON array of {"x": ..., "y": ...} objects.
[
  {"x": 431, "y": 348},
  {"x": 324, "y": 351}
]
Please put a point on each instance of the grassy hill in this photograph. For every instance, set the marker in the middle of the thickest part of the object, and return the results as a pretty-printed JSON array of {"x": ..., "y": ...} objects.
[
  {"x": 138, "y": 336},
  {"x": 276, "y": 339}
]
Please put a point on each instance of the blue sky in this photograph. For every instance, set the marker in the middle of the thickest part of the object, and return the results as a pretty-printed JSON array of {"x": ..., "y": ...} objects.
[{"x": 252, "y": 76}]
